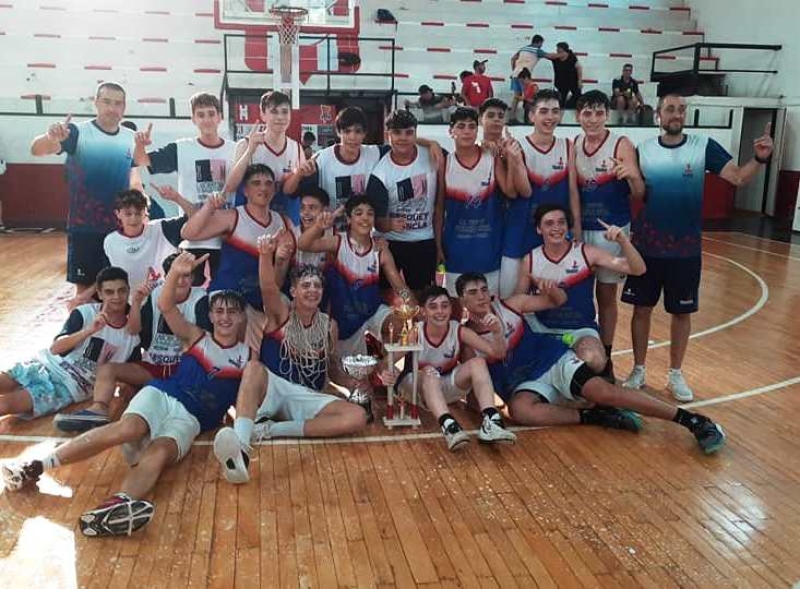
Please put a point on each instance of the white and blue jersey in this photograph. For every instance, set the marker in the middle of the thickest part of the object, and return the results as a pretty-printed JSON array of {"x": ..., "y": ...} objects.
[
  {"x": 207, "y": 379},
  {"x": 353, "y": 283},
  {"x": 238, "y": 265},
  {"x": 473, "y": 218},
  {"x": 670, "y": 222},
  {"x": 314, "y": 374},
  {"x": 574, "y": 274},
  {"x": 528, "y": 355},
  {"x": 98, "y": 167},
  {"x": 548, "y": 172},
  {"x": 602, "y": 195}
]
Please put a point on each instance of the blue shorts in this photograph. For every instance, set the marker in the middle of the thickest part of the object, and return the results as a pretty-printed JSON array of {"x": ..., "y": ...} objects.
[
  {"x": 679, "y": 278},
  {"x": 85, "y": 257},
  {"x": 516, "y": 86},
  {"x": 48, "y": 393}
]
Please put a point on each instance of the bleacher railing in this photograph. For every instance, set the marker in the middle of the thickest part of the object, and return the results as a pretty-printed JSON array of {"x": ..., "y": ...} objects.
[{"x": 699, "y": 58}]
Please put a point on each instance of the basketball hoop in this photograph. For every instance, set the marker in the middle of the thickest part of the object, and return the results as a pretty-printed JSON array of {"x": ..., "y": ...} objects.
[{"x": 289, "y": 20}]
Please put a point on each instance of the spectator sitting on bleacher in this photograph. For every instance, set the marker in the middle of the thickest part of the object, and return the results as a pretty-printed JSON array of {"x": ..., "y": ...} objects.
[
  {"x": 435, "y": 108},
  {"x": 526, "y": 58},
  {"x": 627, "y": 97},
  {"x": 477, "y": 87},
  {"x": 529, "y": 90}
]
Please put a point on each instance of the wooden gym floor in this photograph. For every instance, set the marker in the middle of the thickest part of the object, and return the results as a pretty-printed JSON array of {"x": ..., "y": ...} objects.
[{"x": 572, "y": 506}]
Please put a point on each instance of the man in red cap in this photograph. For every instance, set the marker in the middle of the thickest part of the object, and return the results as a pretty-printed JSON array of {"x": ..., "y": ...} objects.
[{"x": 477, "y": 87}]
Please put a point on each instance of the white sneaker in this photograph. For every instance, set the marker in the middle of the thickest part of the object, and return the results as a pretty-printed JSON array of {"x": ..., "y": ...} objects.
[
  {"x": 455, "y": 437},
  {"x": 636, "y": 378},
  {"x": 493, "y": 430},
  {"x": 678, "y": 387},
  {"x": 261, "y": 431},
  {"x": 232, "y": 455}
]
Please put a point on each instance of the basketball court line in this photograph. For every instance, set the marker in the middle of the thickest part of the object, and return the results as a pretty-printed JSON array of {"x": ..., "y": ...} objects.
[
  {"x": 753, "y": 249},
  {"x": 763, "y": 390},
  {"x": 738, "y": 319},
  {"x": 788, "y": 244}
]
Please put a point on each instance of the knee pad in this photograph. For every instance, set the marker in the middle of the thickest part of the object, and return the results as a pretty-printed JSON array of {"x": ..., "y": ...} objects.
[{"x": 582, "y": 375}]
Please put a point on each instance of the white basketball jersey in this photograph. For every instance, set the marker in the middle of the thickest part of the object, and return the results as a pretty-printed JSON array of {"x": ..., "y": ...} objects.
[
  {"x": 282, "y": 162},
  {"x": 137, "y": 254},
  {"x": 165, "y": 347},
  {"x": 546, "y": 168},
  {"x": 444, "y": 355},
  {"x": 317, "y": 259},
  {"x": 340, "y": 179},
  {"x": 412, "y": 194}
]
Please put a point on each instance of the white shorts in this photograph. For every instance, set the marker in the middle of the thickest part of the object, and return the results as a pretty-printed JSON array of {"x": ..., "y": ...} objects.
[
  {"x": 492, "y": 281},
  {"x": 355, "y": 344},
  {"x": 595, "y": 238},
  {"x": 509, "y": 273},
  {"x": 450, "y": 391},
  {"x": 554, "y": 385},
  {"x": 166, "y": 417},
  {"x": 287, "y": 401},
  {"x": 577, "y": 334}
]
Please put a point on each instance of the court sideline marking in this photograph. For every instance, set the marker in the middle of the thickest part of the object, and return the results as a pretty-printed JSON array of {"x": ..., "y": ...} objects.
[{"x": 753, "y": 249}]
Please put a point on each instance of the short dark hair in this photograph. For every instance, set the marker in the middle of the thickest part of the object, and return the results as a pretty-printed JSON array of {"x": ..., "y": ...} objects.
[
  {"x": 564, "y": 46},
  {"x": 110, "y": 273},
  {"x": 537, "y": 39},
  {"x": 545, "y": 94},
  {"x": 433, "y": 292},
  {"x": 549, "y": 207},
  {"x": 424, "y": 88},
  {"x": 464, "y": 75},
  {"x": 309, "y": 136},
  {"x": 302, "y": 270},
  {"x": 627, "y": 65},
  {"x": 110, "y": 86},
  {"x": 131, "y": 198},
  {"x": 257, "y": 169},
  {"x": 166, "y": 264},
  {"x": 202, "y": 99},
  {"x": 272, "y": 99},
  {"x": 352, "y": 116},
  {"x": 666, "y": 95},
  {"x": 524, "y": 73},
  {"x": 356, "y": 200},
  {"x": 467, "y": 277},
  {"x": 401, "y": 119},
  {"x": 230, "y": 298},
  {"x": 317, "y": 193},
  {"x": 492, "y": 103},
  {"x": 463, "y": 113},
  {"x": 593, "y": 99}
]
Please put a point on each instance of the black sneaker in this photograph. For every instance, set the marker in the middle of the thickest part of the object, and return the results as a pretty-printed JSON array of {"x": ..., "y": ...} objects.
[
  {"x": 612, "y": 418},
  {"x": 709, "y": 435},
  {"x": 18, "y": 475},
  {"x": 119, "y": 515},
  {"x": 455, "y": 437}
]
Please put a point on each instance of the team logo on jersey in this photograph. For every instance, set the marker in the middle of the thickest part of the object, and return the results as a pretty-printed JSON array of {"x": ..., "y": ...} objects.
[
  {"x": 451, "y": 354},
  {"x": 474, "y": 201},
  {"x": 238, "y": 362},
  {"x": 573, "y": 269},
  {"x": 559, "y": 165},
  {"x": 132, "y": 249},
  {"x": 687, "y": 171}
]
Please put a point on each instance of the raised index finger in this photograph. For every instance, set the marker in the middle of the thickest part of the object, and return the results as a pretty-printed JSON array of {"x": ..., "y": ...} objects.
[
  {"x": 604, "y": 224},
  {"x": 767, "y": 129}
]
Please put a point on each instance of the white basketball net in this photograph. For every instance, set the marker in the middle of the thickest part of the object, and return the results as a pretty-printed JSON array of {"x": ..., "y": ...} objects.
[{"x": 290, "y": 19}]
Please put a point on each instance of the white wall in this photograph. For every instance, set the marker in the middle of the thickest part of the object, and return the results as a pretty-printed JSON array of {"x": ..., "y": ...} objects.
[{"x": 771, "y": 22}]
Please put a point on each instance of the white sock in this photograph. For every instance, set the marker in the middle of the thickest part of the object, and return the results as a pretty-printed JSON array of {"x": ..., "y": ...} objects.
[
  {"x": 287, "y": 429},
  {"x": 243, "y": 426},
  {"x": 638, "y": 366},
  {"x": 675, "y": 371},
  {"x": 51, "y": 461}
]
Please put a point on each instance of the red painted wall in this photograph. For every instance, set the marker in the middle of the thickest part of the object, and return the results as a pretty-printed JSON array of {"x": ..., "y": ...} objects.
[{"x": 34, "y": 195}]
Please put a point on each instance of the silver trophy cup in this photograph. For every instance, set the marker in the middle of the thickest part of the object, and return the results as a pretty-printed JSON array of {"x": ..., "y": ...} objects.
[{"x": 361, "y": 367}]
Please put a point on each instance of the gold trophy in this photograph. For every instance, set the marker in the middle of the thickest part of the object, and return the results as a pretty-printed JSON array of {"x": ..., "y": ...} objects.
[
  {"x": 399, "y": 411},
  {"x": 406, "y": 313}
]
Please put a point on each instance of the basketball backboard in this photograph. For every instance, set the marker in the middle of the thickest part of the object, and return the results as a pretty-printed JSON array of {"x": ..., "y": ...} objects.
[{"x": 324, "y": 16}]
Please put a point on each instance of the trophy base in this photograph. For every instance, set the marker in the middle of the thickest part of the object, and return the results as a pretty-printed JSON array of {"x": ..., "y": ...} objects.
[{"x": 401, "y": 422}]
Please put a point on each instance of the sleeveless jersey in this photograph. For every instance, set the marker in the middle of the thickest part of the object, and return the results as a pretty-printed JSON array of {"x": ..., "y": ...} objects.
[
  {"x": 166, "y": 348},
  {"x": 548, "y": 172},
  {"x": 282, "y": 163},
  {"x": 353, "y": 285},
  {"x": 313, "y": 377},
  {"x": 318, "y": 259},
  {"x": 473, "y": 220},
  {"x": 341, "y": 179},
  {"x": 602, "y": 195},
  {"x": 207, "y": 379},
  {"x": 574, "y": 274},
  {"x": 444, "y": 355},
  {"x": 78, "y": 367},
  {"x": 411, "y": 191},
  {"x": 528, "y": 355},
  {"x": 238, "y": 266}
]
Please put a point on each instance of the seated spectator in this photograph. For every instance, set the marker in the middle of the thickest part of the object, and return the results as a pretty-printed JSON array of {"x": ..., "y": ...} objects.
[
  {"x": 476, "y": 87},
  {"x": 627, "y": 98},
  {"x": 526, "y": 58},
  {"x": 568, "y": 74},
  {"x": 529, "y": 90},
  {"x": 435, "y": 107}
]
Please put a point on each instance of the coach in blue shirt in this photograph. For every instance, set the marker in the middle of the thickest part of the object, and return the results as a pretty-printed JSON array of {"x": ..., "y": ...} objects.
[{"x": 667, "y": 231}]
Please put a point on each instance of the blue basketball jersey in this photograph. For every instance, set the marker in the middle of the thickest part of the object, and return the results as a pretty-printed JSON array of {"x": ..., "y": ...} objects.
[
  {"x": 353, "y": 286},
  {"x": 602, "y": 195},
  {"x": 277, "y": 355}
]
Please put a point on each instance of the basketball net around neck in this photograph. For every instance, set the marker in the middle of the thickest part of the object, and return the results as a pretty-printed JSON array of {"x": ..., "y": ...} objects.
[{"x": 306, "y": 349}]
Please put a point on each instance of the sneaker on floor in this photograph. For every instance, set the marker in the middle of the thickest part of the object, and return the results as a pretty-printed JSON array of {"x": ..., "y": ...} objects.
[
  {"x": 18, "y": 475},
  {"x": 493, "y": 430},
  {"x": 456, "y": 437},
  {"x": 261, "y": 431},
  {"x": 80, "y": 421},
  {"x": 232, "y": 455},
  {"x": 709, "y": 435},
  {"x": 613, "y": 418},
  {"x": 636, "y": 378},
  {"x": 119, "y": 515},
  {"x": 678, "y": 387}
]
